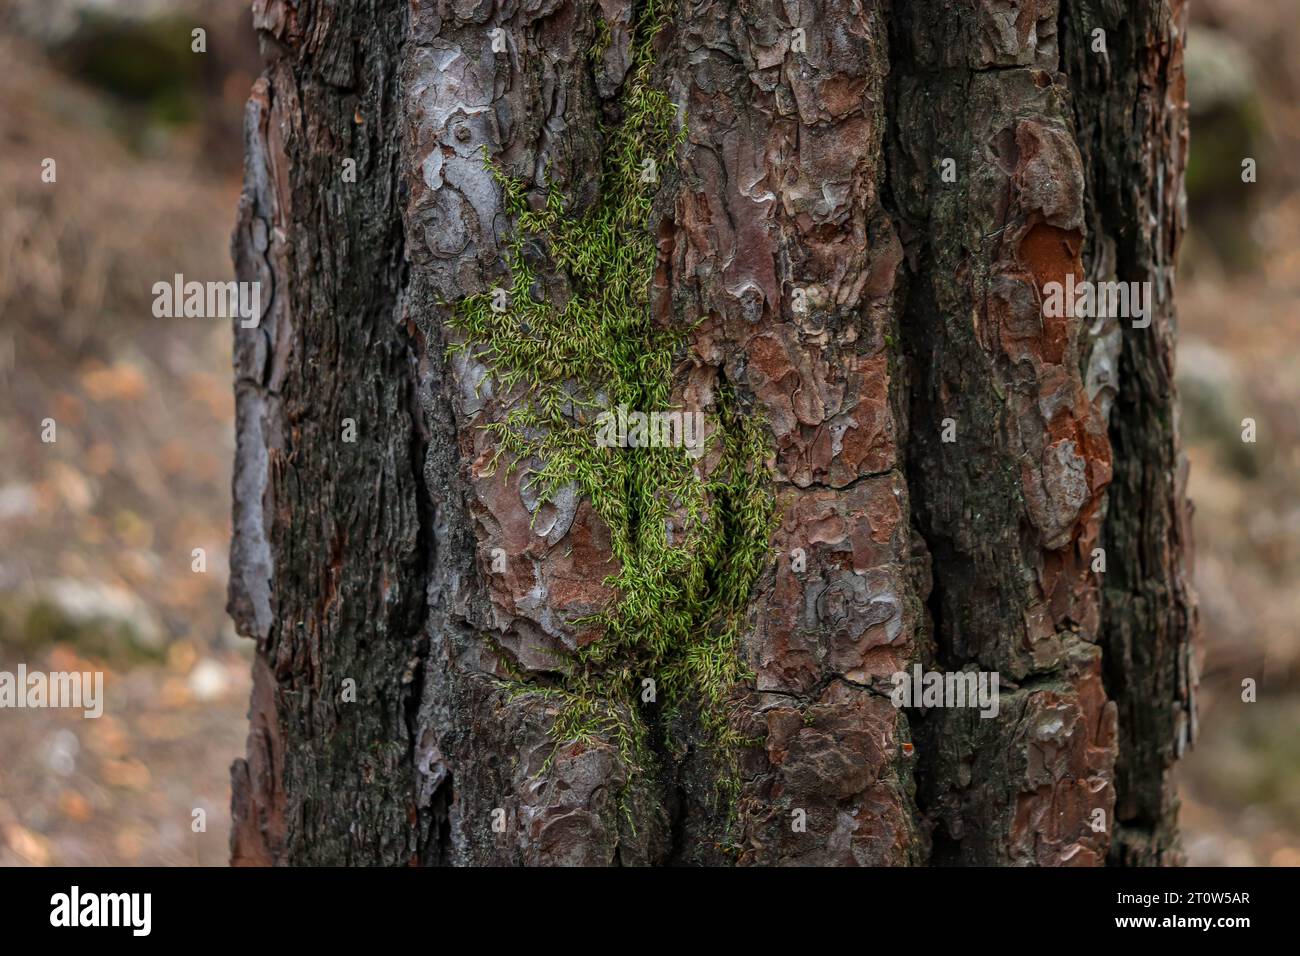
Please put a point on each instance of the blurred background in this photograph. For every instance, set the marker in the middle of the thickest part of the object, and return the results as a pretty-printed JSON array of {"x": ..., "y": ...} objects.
[{"x": 97, "y": 530}]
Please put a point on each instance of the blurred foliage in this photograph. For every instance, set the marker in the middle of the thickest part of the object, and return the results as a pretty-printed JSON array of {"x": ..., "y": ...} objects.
[
  {"x": 1227, "y": 126},
  {"x": 148, "y": 61}
]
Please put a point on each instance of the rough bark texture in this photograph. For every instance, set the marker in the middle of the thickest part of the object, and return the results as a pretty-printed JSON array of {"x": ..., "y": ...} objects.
[
  {"x": 1131, "y": 115},
  {"x": 823, "y": 280}
]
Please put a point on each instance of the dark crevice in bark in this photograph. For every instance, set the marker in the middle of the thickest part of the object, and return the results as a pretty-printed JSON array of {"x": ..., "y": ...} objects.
[
  {"x": 915, "y": 307},
  {"x": 816, "y": 691},
  {"x": 431, "y": 822},
  {"x": 908, "y": 322}
]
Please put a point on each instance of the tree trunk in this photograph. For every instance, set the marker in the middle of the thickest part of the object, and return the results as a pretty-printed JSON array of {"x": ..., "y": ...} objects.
[{"x": 484, "y": 637}]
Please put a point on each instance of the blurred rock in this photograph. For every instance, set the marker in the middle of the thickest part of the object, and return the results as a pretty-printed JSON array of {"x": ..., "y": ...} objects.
[
  {"x": 1219, "y": 72},
  {"x": 98, "y": 619},
  {"x": 1214, "y": 404},
  {"x": 17, "y": 500},
  {"x": 209, "y": 680}
]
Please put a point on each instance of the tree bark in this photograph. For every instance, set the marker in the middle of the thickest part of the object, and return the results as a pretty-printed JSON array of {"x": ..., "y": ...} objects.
[{"x": 827, "y": 229}]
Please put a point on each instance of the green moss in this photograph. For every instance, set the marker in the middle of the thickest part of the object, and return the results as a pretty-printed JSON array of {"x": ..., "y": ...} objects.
[
  {"x": 600, "y": 44},
  {"x": 680, "y": 594}
]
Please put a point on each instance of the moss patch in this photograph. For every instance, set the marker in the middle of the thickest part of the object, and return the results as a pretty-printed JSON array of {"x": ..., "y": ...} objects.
[{"x": 689, "y": 544}]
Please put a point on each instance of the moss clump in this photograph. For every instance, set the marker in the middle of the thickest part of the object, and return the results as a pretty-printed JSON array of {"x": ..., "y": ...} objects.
[
  {"x": 600, "y": 44},
  {"x": 689, "y": 543}
]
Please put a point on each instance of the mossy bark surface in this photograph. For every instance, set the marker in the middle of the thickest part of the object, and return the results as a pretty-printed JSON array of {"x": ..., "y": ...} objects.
[{"x": 458, "y": 598}]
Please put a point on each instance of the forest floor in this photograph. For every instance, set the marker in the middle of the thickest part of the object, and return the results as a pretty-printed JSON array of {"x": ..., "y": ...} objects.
[
  {"x": 108, "y": 516},
  {"x": 98, "y": 528}
]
